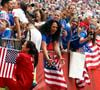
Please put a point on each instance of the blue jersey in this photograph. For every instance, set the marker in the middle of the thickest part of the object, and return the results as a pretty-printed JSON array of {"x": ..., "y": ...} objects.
[
  {"x": 11, "y": 19},
  {"x": 74, "y": 39},
  {"x": 6, "y": 34},
  {"x": 64, "y": 41},
  {"x": 83, "y": 34},
  {"x": 46, "y": 38}
]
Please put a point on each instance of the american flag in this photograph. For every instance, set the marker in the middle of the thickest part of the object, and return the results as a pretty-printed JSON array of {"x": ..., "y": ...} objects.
[
  {"x": 7, "y": 62},
  {"x": 54, "y": 74},
  {"x": 91, "y": 62},
  {"x": 93, "y": 57},
  {"x": 85, "y": 80}
]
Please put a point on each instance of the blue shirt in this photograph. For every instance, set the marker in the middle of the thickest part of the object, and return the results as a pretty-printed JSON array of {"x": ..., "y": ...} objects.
[
  {"x": 74, "y": 39},
  {"x": 84, "y": 45},
  {"x": 64, "y": 41},
  {"x": 68, "y": 19},
  {"x": 11, "y": 19},
  {"x": 46, "y": 38},
  {"x": 66, "y": 26},
  {"x": 83, "y": 34},
  {"x": 6, "y": 33}
]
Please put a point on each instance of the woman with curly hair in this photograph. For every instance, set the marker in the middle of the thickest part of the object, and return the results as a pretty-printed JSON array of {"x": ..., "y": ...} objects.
[{"x": 51, "y": 34}]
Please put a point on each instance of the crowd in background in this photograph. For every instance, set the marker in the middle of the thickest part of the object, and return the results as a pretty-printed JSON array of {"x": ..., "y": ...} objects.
[
  {"x": 79, "y": 20},
  {"x": 58, "y": 25}
]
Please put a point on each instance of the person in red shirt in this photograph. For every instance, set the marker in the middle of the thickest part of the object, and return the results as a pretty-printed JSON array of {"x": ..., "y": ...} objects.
[{"x": 25, "y": 63}]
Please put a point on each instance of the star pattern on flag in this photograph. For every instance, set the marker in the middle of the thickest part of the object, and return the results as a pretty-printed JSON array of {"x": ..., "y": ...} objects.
[
  {"x": 50, "y": 66},
  {"x": 11, "y": 58}
]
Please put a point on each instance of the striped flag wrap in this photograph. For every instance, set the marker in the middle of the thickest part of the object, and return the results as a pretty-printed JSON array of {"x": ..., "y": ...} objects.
[
  {"x": 98, "y": 41},
  {"x": 54, "y": 75},
  {"x": 85, "y": 80},
  {"x": 7, "y": 62},
  {"x": 92, "y": 60},
  {"x": 93, "y": 57}
]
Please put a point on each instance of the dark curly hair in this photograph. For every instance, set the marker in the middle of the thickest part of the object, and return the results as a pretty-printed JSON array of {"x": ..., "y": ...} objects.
[{"x": 46, "y": 29}]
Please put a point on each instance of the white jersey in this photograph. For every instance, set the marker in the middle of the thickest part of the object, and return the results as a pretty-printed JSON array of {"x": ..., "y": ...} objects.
[{"x": 36, "y": 37}]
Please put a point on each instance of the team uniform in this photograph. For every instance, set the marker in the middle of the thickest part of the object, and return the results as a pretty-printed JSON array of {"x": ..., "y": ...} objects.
[{"x": 23, "y": 73}]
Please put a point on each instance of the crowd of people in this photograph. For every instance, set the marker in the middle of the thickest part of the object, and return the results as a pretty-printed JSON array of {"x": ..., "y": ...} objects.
[
  {"x": 18, "y": 18},
  {"x": 57, "y": 25}
]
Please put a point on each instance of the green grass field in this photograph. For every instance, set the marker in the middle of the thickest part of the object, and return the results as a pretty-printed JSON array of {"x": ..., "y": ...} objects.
[{"x": 3, "y": 89}]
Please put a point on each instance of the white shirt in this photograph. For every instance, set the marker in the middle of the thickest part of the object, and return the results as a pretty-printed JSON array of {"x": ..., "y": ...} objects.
[
  {"x": 36, "y": 37},
  {"x": 39, "y": 24},
  {"x": 4, "y": 16},
  {"x": 20, "y": 14}
]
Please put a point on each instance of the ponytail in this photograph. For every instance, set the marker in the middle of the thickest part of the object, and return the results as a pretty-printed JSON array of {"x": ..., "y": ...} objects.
[
  {"x": 33, "y": 51},
  {"x": 35, "y": 59}
]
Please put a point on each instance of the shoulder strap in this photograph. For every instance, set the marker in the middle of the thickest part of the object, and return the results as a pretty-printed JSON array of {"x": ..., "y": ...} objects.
[{"x": 29, "y": 35}]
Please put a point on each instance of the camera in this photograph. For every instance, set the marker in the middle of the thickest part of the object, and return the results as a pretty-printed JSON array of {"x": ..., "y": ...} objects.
[
  {"x": 92, "y": 26},
  {"x": 91, "y": 35}
]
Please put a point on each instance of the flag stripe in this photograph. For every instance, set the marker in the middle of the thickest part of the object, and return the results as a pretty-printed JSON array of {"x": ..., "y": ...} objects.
[
  {"x": 8, "y": 70},
  {"x": 11, "y": 72},
  {"x": 5, "y": 68},
  {"x": 85, "y": 80},
  {"x": 55, "y": 80},
  {"x": 56, "y": 83},
  {"x": 54, "y": 77},
  {"x": 93, "y": 58},
  {"x": 57, "y": 75},
  {"x": 54, "y": 71},
  {"x": 1, "y": 56},
  {"x": 3, "y": 62},
  {"x": 92, "y": 64},
  {"x": 7, "y": 62}
]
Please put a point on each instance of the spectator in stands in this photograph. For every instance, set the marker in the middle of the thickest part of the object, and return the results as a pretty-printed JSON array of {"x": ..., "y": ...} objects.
[
  {"x": 57, "y": 15},
  {"x": 88, "y": 36},
  {"x": 70, "y": 12},
  {"x": 5, "y": 31},
  {"x": 98, "y": 30},
  {"x": 32, "y": 35},
  {"x": 64, "y": 40},
  {"x": 10, "y": 14},
  {"x": 51, "y": 34},
  {"x": 31, "y": 31},
  {"x": 5, "y": 8},
  {"x": 92, "y": 32},
  {"x": 4, "y": 20},
  {"x": 25, "y": 63},
  {"x": 77, "y": 40},
  {"x": 65, "y": 25},
  {"x": 74, "y": 38},
  {"x": 39, "y": 18},
  {"x": 61, "y": 16},
  {"x": 20, "y": 20},
  {"x": 28, "y": 10}
]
